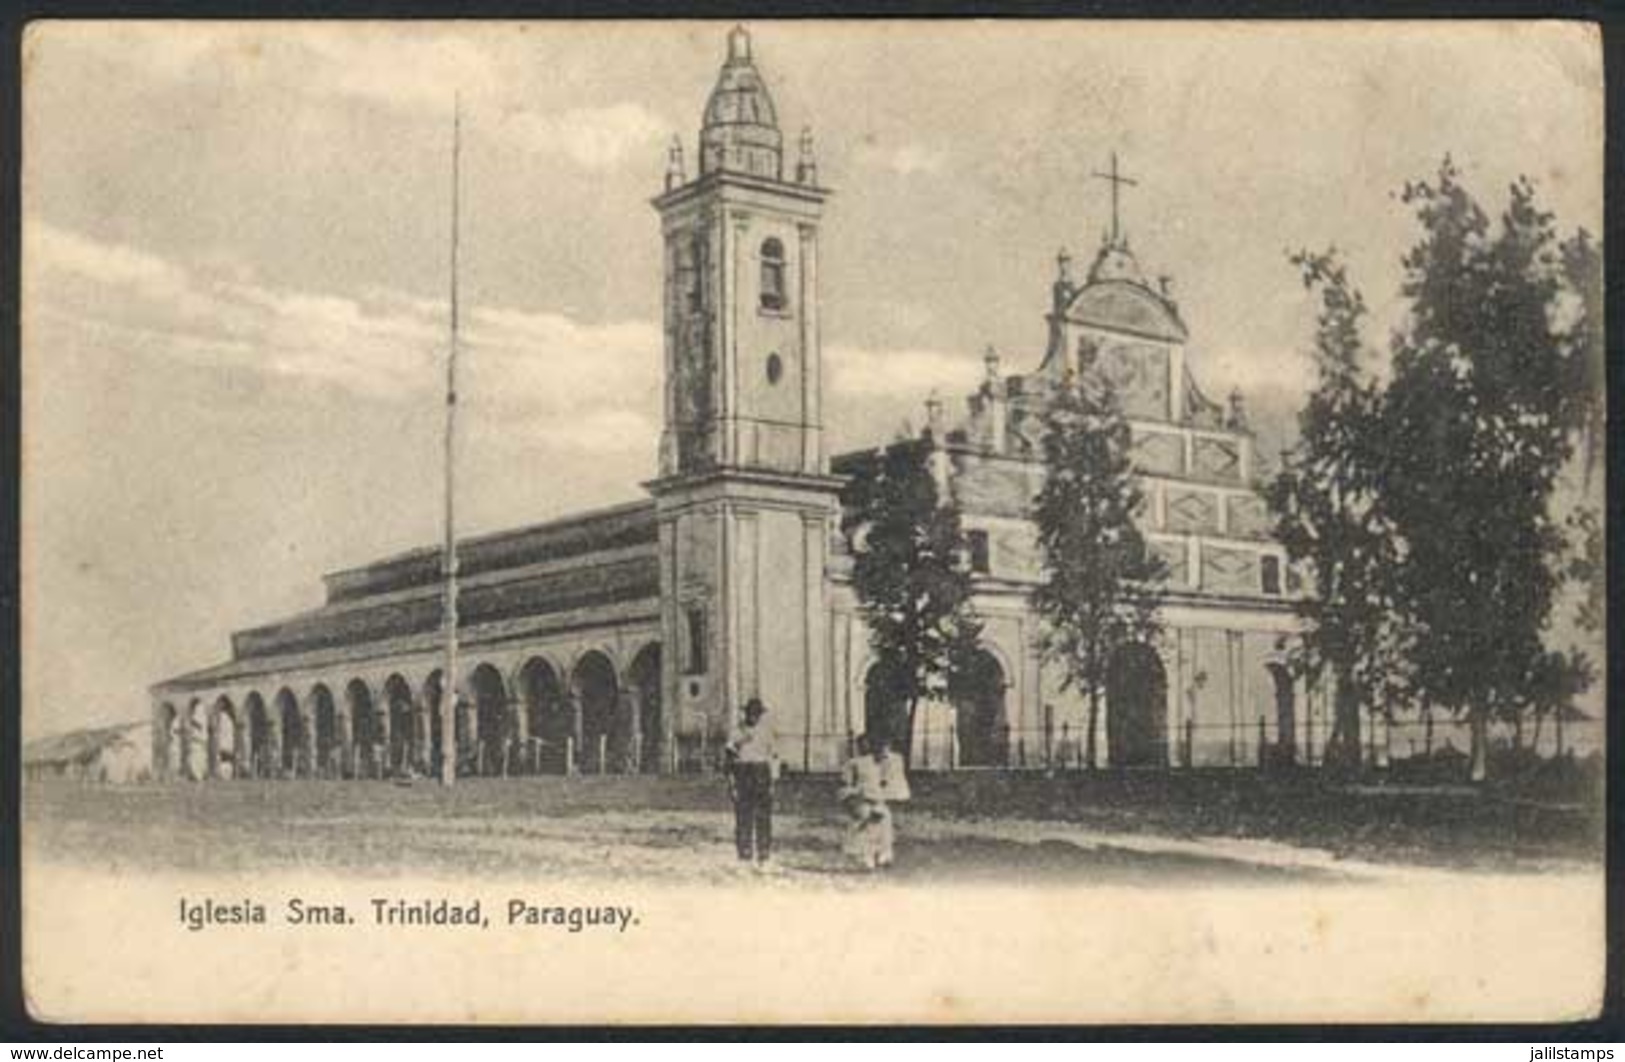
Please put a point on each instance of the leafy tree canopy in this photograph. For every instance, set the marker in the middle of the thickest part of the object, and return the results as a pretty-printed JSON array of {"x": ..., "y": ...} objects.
[
  {"x": 1102, "y": 583},
  {"x": 911, "y": 576}
]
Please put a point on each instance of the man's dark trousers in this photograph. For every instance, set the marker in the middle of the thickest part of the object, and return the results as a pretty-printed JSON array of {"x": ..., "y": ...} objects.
[{"x": 753, "y": 810}]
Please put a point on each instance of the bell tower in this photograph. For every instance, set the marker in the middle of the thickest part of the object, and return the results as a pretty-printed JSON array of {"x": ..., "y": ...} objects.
[{"x": 745, "y": 502}]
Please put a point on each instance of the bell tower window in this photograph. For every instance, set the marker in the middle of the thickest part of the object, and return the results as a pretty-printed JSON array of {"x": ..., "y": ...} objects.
[
  {"x": 773, "y": 290},
  {"x": 694, "y": 278},
  {"x": 1270, "y": 574},
  {"x": 694, "y": 662}
]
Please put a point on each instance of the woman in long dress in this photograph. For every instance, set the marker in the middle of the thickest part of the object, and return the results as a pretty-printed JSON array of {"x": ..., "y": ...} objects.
[{"x": 872, "y": 780}]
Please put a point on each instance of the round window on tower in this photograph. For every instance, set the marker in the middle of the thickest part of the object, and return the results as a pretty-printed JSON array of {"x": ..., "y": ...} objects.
[{"x": 775, "y": 368}]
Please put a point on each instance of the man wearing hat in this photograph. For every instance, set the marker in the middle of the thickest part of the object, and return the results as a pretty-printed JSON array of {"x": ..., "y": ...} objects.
[{"x": 753, "y": 767}]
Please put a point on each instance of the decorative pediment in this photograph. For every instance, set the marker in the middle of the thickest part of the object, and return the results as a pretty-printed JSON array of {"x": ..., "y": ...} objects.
[{"x": 1121, "y": 306}]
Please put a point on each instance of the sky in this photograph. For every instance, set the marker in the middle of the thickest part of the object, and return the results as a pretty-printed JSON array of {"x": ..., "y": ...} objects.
[{"x": 235, "y": 243}]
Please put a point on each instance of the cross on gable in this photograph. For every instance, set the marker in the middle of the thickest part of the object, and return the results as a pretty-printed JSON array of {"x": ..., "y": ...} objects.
[{"x": 1117, "y": 181}]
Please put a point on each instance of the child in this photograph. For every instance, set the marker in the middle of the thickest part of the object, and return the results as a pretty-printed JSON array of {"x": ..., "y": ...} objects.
[{"x": 871, "y": 782}]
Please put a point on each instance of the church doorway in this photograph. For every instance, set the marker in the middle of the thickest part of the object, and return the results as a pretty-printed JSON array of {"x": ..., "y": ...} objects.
[
  {"x": 223, "y": 740},
  {"x": 328, "y": 745},
  {"x": 432, "y": 696},
  {"x": 293, "y": 735},
  {"x": 260, "y": 759},
  {"x": 168, "y": 747},
  {"x": 885, "y": 709},
  {"x": 1286, "y": 724},
  {"x": 398, "y": 737},
  {"x": 490, "y": 721},
  {"x": 547, "y": 713},
  {"x": 981, "y": 726},
  {"x": 361, "y": 758},
  {"x": 1136, "y": 708},
  {"x": 644, "y": 678},
  {"x": 598, "y": 695},
  {"x": 192, "y": 757}
]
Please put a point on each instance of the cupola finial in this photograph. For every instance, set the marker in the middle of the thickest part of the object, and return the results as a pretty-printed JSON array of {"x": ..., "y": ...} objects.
[
  {"x": 739, "y": 44},
  {"x": 675, "y": 171},
  {"x": 807, "y": 164}
]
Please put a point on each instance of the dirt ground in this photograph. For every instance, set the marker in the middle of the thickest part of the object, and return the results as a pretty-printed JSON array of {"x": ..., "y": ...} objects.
[{"x": 992, "y": 828}]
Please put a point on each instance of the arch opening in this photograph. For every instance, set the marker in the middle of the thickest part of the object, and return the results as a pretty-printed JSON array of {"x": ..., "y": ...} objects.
[
  {"x": 885, "y": 707},
  {"x": 261, "y": 759},
  {"x": 643, "y": 677},
  {"x": 167, "y": 753},
  {"x": 547, "y": 714},
  {"x": 432, "y": 697},
  {"x": 1286, "y": 720},
  {"x": 324, "y": 715},
  {"x": 489, "y": 754},
  {"x": 981, "y": 723},
  {"x": 597, "y": 696},
  {"x": 1136, "y": 708},
  {"x": 225, "y": 740},
  {"x": 400, "y": 740},
  {"x": 194, "y": 755},
  {"x": 363, "y": 754},
  {"x": 292, "y": 760}
]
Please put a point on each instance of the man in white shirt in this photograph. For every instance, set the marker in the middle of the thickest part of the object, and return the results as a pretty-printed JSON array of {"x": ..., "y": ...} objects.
[{"x": 753, "y": 767}]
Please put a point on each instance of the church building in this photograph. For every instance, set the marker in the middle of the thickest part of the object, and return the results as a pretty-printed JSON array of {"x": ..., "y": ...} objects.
[{"x": 627, "y": 639}]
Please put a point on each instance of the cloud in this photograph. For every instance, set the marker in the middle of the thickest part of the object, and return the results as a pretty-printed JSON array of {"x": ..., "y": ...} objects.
[
  {"x": 418, "y": 73},
  {"x": 594, "y": 138},
  {"x": 381, "y": 345},
  {"x": 860, "y": 372},
  {"x": 1255, "y": 370},
  {"x": 907, "y": 159},
  {"x": 54, "y": 250},
  {"x": 408, "y": 72}
]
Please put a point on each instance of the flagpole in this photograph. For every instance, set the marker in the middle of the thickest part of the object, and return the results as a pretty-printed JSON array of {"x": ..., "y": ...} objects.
[{"x": 449, "y": 685}]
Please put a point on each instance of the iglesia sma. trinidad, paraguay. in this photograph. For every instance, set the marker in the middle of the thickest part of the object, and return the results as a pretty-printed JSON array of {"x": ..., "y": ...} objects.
[{"x": 627, "y": 639}]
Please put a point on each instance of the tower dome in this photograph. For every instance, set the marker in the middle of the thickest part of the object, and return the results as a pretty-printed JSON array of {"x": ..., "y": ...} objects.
[{"x": 740, "y": 132}]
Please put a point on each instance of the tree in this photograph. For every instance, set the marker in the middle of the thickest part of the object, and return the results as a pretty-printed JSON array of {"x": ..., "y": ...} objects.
[
  {"x": 1583, "y": 333},
  {"x": 1327, "y": 504},
  {"x": 1488, "y": 396},
  {"x": 1102, "y": 584},
  {"x": 911, "y": 577}
]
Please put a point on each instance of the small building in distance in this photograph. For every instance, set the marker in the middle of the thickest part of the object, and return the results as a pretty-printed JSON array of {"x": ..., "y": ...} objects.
[{"x": 118, "y": 754}]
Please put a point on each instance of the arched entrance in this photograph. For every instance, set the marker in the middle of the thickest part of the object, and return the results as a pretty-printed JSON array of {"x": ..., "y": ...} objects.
[
  {"x": 547, "y": 716},
  {"x": 363, "y": 753},
  {"x": 167, "y": 748},
  {"x": 399, "y": 736},
  {"x": 1286, "y": 723},
  {"x": 598, "y": 695},
  {"x": 325, "y": 715},
  {"x": 431, "y": 699},
  {"x": 262, "y": 760},
  {"x": 490, "y": 748},
  {"x": 224, "y": 740},
  {"x": 644, "y": 679},
  {"x": 885, "y": 710},
  {"x": 1136, "y": 708},
  {"x": 193, "y": 749},
  {"x": 980, "y": 721},
  {"x": 292, "y": 762}
]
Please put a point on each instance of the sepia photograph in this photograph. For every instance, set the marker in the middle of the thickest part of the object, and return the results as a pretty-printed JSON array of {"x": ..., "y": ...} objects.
[{"x": 862, "y": 522}]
